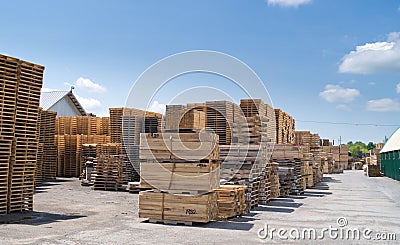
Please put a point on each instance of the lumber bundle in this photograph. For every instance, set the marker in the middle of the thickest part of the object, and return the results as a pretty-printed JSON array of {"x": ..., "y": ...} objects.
[
  {"x": 184, "y": 168},
  {"x": 169, "y": 161},
  {"x": 177, "y": 208},
  {"x": 191, "y": 116},
  {"x": 219, "y": 118},
  {"x": 243, "y": 165},
  {"x": 251, "y": 130},
  {"x": 46, "y": 167},
  {"x": 274, "y": 180},
  {"x": 20, "y": 83},
  {"x": 285, "y": 125},
  {"x": 231, "y": 201}
]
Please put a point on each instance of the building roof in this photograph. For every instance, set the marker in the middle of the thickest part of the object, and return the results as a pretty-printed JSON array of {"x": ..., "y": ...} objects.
[
  {"x": 393, "y": 144},
  {"x": 48, "y": 99}
]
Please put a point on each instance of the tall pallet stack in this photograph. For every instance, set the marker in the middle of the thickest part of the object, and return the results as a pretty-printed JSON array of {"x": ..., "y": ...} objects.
[
  {"x": 71, "y": 133},
  {"x": 126, "y": 124},
  {"x": 219, "y": 118},
  {"x": 285, "y": 125},
  {"x": 183, "y": 179},
  {"x": 20, "y": 83},
  {"x": 231, "y": 201},
  {"x": 46, "y": 167},
  {"x": 274, "y": 180}
]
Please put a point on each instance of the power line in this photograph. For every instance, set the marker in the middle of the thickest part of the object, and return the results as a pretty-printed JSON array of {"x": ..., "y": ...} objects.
[{"x": 349, "y": 123}]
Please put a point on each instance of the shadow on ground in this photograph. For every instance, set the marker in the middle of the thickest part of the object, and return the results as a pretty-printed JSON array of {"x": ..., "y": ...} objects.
[
  {"x": 45, "y": 185},
  {"x": 37, "y": 218}
]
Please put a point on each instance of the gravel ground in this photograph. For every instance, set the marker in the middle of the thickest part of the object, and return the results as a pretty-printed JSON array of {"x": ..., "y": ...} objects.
[{"x": 67, "y": 213}]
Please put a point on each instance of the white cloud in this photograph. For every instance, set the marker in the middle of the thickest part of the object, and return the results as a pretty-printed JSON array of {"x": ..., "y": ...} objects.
[
  {"x": 88, "y": 85},
  {"x": 374, "y": 57},
  {"x": 343, "y": 107},
  {"x": 371, "y": 83},
  {"x": 288, "y": 3},
  {"x": 398, "y": 88},
  {"x": 89, "y": 103},
  {"x": 383, "y": 105},
  {"x": 48, "y": 90},
  {"x": 157, "y": 107},
  {"x": 336, "y": 93}
]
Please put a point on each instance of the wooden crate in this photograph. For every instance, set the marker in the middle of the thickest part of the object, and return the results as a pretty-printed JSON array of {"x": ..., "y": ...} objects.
[{"x": 180, "y": 208}]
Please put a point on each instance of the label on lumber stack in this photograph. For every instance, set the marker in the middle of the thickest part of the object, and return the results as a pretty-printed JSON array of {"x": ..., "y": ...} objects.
[{"x": 157, "y": 206}]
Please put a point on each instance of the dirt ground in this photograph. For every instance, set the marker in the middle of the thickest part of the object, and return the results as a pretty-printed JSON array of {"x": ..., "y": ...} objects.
[{"x": 67, "y": 213}]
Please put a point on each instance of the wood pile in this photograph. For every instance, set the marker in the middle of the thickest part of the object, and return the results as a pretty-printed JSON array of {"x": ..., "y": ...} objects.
[
  {"x": 183, "y": 170},
  {"x": 219, "y": 118},
  {"x": 20, "y": 83},
  {"x": 289, "y": 158},
  {"x": 231, "y": 201},
  {"x": 243, "y": 165},
  {"x": 191, "y": 116},
  {"x": 86, "y": 125},
  {"x": 109, "y": 174},
  {"x": 46, "y": 167},
  {"x": 177, "y": 208},
  {"x": 274, "y": 180},
  {"x": 340, "y": 158},
  {"x": 88, "y": 161},
  {"x": 285, "y": 125}
]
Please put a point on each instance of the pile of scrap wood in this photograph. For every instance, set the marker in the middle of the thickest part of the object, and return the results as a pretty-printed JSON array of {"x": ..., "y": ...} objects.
[{"x": 183, "y": 179}]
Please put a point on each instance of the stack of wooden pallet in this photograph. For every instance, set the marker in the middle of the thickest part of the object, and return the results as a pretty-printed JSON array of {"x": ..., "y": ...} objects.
[
  {"x": 69, "y": 162},
  {"x": 251, "y": 130},
  {"x": 86, "y": 125},
  {"x": 112, "y": 169},
  {"x": 20, "y": 83},
  {"x": 183, "y": 169},
  {"x": 290, "y": 159},
  {"x": 231, "y": 201},
  {"x": 243, "y": 165},
  {"x": 274, "y": 180},
  {"x": 191, "y": 116},
  {"x": 219, "y": 118},
  {"x": 46, "y": 167},
  {"x": 285, "y": 125}
]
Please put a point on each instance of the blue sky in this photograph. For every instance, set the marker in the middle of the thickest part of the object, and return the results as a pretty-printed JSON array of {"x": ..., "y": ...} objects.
[{"x": 321, "y": 60}]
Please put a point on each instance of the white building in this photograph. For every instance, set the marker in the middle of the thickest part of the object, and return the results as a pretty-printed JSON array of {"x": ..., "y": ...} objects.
[{"x": 63, "y": 102}]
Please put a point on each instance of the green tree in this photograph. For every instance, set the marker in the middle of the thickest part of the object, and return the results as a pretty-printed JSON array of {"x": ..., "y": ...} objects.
[{"x": 371, "y": 146}]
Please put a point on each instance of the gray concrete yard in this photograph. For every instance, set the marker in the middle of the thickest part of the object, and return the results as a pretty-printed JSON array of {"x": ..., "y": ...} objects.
[{"x": 66, "y": 213}]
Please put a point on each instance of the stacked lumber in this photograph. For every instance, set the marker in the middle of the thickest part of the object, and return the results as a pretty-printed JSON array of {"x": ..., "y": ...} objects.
[
  {"x": 307, "y": 138},
  {"x": 183, "y": 164},
  {"x": 285, "y": 125},
  {"x": 231, "y": 201},
  {"x": 250, "y": 130},
  {"x": 219, "y": 118},
  {"x": 191, "y": 116},
  {"x": 289, "y": 159},
  {"x": 274, "y": 180},
  {"x": 243, "y": 165},
  {"x": 169, "y": 162},
  {"x": 46, "y": 167},
  {"x": 177, "y": 208},
  {"x": 20, "y": 83},
  {"x": 285, "y": 180},
  {"x": 340, "y": 158}
]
